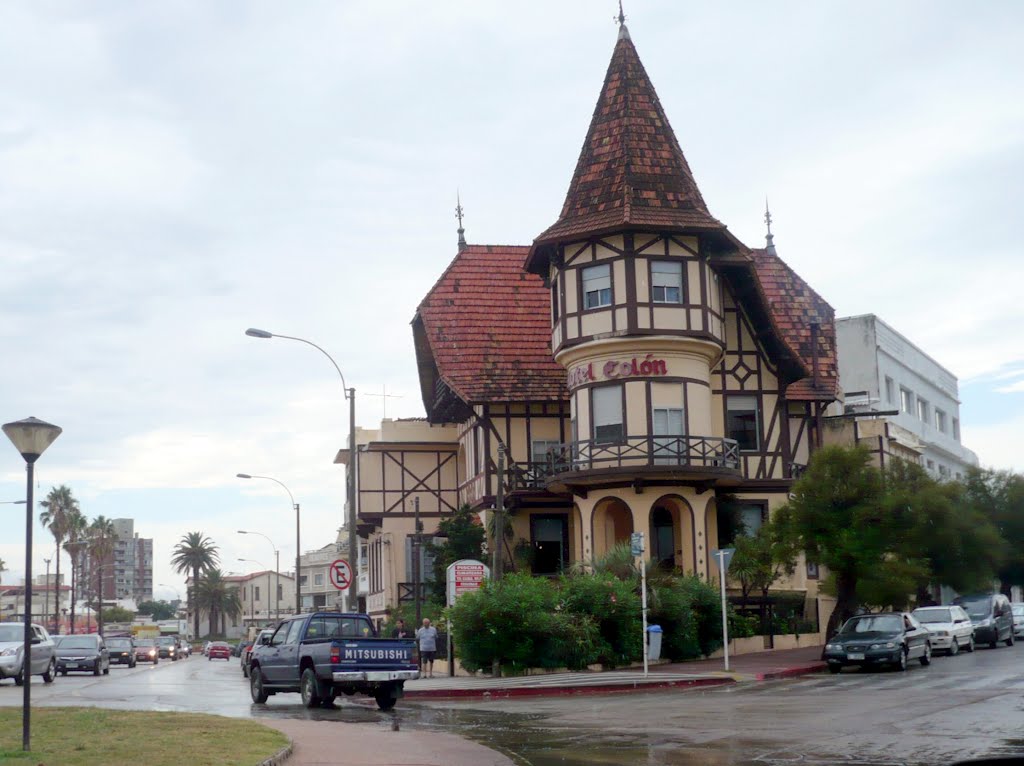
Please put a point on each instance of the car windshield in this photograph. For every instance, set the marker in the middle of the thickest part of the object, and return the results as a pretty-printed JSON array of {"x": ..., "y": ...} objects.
[
  {"x": 933, "y": 615},
  {"x": 882, "y": 623},
  {"x": 977, "y": 609},
  {"x": 166, "y": 641},
  {"x": 1018, "y": 610},
  {"x": 12, "y": 632},
  {"x": 145, "y": 642},
  {"x": 76, "y": 642},
  {"x": 118, "y": 643}
]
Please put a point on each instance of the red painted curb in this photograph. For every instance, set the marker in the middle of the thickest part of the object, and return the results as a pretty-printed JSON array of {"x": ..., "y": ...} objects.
[
  {"x": 800, "y": 670},
  {"x": 562, "y": 691}
]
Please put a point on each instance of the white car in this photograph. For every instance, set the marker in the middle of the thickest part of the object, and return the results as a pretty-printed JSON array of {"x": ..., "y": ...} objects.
[
  {"x": 950, "y": 627},
  {"x": 12, "y": 644},
  {"x": 1018, "y": 619}
]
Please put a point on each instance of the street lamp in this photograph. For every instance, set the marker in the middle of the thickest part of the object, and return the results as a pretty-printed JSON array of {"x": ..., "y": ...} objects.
[
  {"x": 261, "y": 566},
  {"x": 298, "y": 546},
  {"x": 277, "y": 573},
  {"x": 30, "y": 437},
  {"x": 350, "y": 480},
  {"x": 12, "y": 502}
]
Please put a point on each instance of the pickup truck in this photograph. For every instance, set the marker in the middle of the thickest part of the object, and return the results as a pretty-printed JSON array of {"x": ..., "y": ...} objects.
[{"x": 324, "y": 654}]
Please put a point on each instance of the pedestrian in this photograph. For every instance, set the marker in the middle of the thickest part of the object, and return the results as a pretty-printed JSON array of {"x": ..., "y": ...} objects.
[
  {"x": 400, "y": 631},
  {"x": 427, "y": 636}
]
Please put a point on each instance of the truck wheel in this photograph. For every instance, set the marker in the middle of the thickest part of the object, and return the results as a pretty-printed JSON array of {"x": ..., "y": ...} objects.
[
  {"x": 385, "y": 700},
  {"x": 256, "y": 686},
  {"x": 328, "y": 701},
  {"x": 310, "y": 688}
]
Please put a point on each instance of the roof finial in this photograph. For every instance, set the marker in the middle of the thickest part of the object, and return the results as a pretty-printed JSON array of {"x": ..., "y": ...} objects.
[
  {"x": 458, "y": 214},
  {"x": 769, "y": 238},
  {"x": 621, "y": 19}
]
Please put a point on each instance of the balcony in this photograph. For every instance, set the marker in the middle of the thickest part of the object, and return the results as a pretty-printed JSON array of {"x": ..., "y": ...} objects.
[{"x": 633, "y": 460}]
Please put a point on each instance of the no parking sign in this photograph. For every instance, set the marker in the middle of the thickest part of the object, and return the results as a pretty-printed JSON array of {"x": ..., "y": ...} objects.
[{"x": 341, "y": 574}]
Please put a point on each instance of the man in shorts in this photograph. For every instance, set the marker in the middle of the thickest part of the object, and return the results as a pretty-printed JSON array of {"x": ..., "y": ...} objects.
[{"x": 427, "y": 637}]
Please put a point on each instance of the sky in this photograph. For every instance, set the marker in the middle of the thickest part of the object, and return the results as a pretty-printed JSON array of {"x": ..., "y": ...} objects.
[{"x": 173, "y": 173}]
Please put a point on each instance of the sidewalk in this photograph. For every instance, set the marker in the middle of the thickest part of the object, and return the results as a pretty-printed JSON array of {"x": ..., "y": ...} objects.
[{"x": 761, "y": 666}]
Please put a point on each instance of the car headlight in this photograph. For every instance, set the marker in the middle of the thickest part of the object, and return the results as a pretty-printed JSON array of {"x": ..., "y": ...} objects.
[
  {"x": 9, "y": 652},
  {"x": 890, "y": 645},
  {"x": 983, "y": 623},
  {"x": 940, "y": 632}
]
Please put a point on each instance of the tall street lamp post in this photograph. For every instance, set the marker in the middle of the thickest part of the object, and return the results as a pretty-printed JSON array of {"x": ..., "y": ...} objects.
[
  {"x": 30, "y": 437},
  {"x": 277, "y": 572},
  {"x": 350, "y": 481},
  {"x": 298, "y": 546}
]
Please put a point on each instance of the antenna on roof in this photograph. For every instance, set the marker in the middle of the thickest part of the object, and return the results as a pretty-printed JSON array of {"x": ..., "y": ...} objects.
[
  {"x": 621, "y": 19},
  {"x": 769, "y": 238},
  {"x": 458, "y": 214}
]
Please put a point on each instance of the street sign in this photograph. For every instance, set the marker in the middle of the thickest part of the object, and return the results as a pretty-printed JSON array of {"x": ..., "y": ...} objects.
[
  {"x": 341, "y": 574},
  {"x": 465, "y": 576},
  {"x": 636, "y": 543},
  {"x": 722, "y": 557}
]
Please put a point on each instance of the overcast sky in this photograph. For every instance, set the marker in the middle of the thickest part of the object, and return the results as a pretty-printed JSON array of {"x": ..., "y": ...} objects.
[{"x": 172, "y": 173}]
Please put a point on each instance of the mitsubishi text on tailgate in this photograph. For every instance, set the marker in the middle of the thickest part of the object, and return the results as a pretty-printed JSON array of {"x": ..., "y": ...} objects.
[{"x": 325, "y": 654}]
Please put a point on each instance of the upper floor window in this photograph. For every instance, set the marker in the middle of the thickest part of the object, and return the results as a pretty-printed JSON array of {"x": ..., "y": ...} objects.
[
  {"x": 607, "y": 414},
  {"x": 956, "y": 429},
  {"x": 256, "y": 590},
  {"x": 554, "y": 300},
  {"x": 742, "y": 421},
  {"x": 890, "y": 390},
  {"x": 667, "y": 281},
  {"x": 906, "y": 401},
  {"x": 940, "y": 420},
  {"x": 922, "y": 410},
  {"x": 597, "y": 286},
  {"x": 541, "y": 449},
  {"x": 318, "y": 579}
]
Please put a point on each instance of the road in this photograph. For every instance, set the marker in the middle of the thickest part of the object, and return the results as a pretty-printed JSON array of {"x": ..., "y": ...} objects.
[{"x": 960, "y": 707}]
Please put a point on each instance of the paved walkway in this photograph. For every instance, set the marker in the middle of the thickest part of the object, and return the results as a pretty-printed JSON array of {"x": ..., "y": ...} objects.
[
  {"x": 747, "y": 667},
  {"x": 326, "y": 743}
]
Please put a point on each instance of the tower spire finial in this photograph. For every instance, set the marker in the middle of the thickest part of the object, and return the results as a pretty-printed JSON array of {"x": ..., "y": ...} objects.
[
  {"x": 769, "y": 237},
  {"x": 621, "y": 19},
  {"x": 458, "y": 214}
]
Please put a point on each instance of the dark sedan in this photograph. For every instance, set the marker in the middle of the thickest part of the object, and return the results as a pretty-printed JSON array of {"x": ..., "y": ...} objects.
[
  {"x": 874, "y": 640},
  {"x": 86, "y": 654},
  {"x": 121, "y": 651}
]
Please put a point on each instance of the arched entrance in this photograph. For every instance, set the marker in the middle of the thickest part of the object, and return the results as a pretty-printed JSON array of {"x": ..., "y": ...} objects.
[
  {"x": 612, "y": 523},
  {"x": 671, "y": 534}
]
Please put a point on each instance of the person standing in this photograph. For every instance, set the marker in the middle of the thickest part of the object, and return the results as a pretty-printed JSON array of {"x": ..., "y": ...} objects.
[
  {"x": 400, "y": 631},
  {"x": 427, "y": 637}
]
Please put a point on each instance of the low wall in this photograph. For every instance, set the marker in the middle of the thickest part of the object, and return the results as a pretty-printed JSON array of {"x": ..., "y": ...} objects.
[{"x": 753, "y": 644}]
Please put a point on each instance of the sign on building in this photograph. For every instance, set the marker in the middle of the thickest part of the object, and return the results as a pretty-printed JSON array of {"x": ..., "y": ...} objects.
[
  {"x": 341, "y": 574},
  {"x": 465, "y": 576}
]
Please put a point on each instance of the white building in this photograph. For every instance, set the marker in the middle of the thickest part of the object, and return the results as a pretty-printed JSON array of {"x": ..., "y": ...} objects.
[
  {"x": 315, "y": 579},
  {"x": 880, "y": 369}
]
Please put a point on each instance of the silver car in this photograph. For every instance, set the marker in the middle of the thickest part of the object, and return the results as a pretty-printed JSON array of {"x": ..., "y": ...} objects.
[
  {"x": 1018, "y": 619},
  {"x": 12, "y": 644},
  {"x": 951, "y": 628}
]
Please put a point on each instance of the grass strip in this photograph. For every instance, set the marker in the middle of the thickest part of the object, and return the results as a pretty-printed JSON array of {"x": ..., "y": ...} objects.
[{"x": 97, "y": 737}]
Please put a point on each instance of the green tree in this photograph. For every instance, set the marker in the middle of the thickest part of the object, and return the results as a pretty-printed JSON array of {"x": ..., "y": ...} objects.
[
  {"x": 117, "y": 614},
  {"x": 759, "y": 562},
  {"x": 999, "y": 496},
  {"x": 194, "y": 554},
  {"x": 158, "y": 610},
  {"x": 60, "y": 504},
  {"x": 463, "y": 539},
  {"x": 101, "y": 549},
  {"x": 75, "y": 545},
  {"x": 217, "y": 598},
  {"x": 3, "y": 568}
]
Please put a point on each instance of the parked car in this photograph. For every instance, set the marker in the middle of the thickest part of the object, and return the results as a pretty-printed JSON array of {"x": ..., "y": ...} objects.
[
  {"x": 86, "y": 654},
  {"x": 324, "y": 654},
  {"x": 992, "y": 617},
  {"x": 146, "y": 650},
  {"x": 121, "y": 650},
  {"x": 206, "y": 647},
  {"x": 167, "y": 646},
  {"x": 1018, "y": 619},
  {"x": 12, "y": 644},
  {"x": 950, "y": 627},
  {"x": 219, "y": 650},
  {"x": 872, "y": 640},
  {"x": 247, "y": 652}
]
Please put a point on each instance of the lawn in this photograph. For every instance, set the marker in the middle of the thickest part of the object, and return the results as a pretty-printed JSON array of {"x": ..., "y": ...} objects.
[{"x": 96, "y": 737}]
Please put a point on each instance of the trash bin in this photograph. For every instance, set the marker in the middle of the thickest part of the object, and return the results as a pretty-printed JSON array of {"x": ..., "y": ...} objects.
[{"x": 654, "y": 642}]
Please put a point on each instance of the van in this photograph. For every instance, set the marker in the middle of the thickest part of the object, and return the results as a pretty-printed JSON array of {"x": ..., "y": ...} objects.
[{"x": 992, "y": 617}]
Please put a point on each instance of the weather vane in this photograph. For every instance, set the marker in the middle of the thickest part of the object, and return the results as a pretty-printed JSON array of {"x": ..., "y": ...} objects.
[
  {"x": 458, "y": 209},
  {"x": 621, "y": 18},
  {"x": 767, "y": 215}
]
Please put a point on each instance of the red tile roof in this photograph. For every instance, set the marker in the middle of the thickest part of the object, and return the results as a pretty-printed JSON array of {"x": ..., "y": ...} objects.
[
  {"x": 484, "y": 329},
  {"x": 631, "y": 170},
  {"x": 794, "y": 307}
]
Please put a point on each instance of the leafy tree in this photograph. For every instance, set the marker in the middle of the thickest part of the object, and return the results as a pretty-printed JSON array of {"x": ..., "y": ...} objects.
[
  {"x": 117, "y": 614},
  {"x": 999, "y": 497},
  {"x": 759, "y": 562},
  {"x": 101, "y": 547},
  {"x": 60, "y": 504},
  {"x": 194, "y": 554},
  {"x": 218, "y": 598},
  {"x": 75, "y": 545},
  {"x": 3, "y": 568},
  {"x": 158, "y": 610},
  {"x": 463, "y": 539}
]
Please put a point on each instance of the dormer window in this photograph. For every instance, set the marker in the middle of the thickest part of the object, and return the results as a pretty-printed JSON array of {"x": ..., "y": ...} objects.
[
  {"x": 667, "y": 281},
  {"x": 597, "y": 286}
]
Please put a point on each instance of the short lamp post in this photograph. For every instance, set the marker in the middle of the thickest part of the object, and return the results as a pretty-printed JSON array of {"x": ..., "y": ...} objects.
[{"x": 30, "y": 437}]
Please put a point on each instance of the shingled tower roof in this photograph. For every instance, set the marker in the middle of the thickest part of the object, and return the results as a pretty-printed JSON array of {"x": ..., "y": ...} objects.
[{"x": 631, "y": 172}]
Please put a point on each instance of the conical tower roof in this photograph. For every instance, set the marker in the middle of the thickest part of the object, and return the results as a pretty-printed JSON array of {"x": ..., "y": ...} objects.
[{"x": 631, "y": 171}]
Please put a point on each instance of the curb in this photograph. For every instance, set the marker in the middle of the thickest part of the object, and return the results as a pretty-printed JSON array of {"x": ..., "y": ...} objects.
[
  {"x": 280, "y": 756},
  {"x": 799, "y": 670},
  {"x": 495, "y": 693}
]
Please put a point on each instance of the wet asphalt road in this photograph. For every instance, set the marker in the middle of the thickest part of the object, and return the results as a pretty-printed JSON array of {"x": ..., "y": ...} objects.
[{"x": 960, "y": 707}]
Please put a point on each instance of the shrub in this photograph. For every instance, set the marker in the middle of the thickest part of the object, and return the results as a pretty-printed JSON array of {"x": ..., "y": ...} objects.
[
  {"x": 689, "y": 612},
  {"x": 614, "y": 606}
]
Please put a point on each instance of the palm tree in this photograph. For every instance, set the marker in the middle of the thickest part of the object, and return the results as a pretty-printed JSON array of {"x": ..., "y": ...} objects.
[
  {"x": 77, "y": 532},
  {"x": 194, "y": 553},
  {"x": 101, "y": 547},
  {"x": 216, "y": 597},
  {"x": 59, "y": 505},
  {"x": 3, "y": 568}
]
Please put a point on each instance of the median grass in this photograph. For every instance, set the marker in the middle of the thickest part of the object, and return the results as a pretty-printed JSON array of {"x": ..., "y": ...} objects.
[{"x": 96, "y": 737}]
